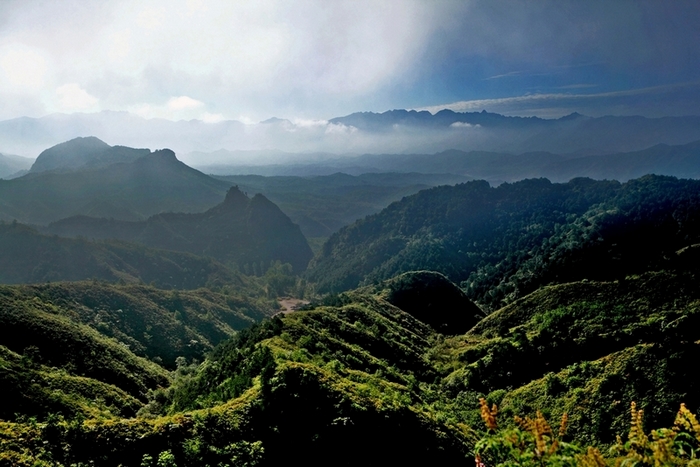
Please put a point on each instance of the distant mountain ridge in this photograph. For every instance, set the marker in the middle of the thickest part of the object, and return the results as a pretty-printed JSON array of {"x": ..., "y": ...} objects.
[
  {"x": 238, "y": 230},
  {"x": 394, "y": 131},
  {"x": 12, "y": 166},
  {"x": 372, "y": 121},
  {"x": 675, "y": 160},
  {"x": 571, "y": 134},
  {"x": 84, "y": 152},
  {"x": 678, "y": 161},
  {"x": 323, "y": 204},
  {"x": 112, "y": 182}
]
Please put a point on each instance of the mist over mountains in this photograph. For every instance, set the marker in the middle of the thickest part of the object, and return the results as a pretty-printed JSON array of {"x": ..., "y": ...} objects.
[
  {"x": 398, "y": 131},
  {"x": 239, "y": 230},
  {"x": 12, "y": 166}
]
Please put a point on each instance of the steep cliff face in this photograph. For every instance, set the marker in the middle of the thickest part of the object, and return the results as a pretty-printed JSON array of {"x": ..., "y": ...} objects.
[{"x": 239, "y": 230}]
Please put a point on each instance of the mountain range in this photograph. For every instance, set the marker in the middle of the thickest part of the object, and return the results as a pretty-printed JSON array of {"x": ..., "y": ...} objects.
[
  {"x": 14, "y": 166},
  {"x": 240, "y": 230},
  {"x": 396, "y": 131},
  {"x": 321, "y": 205},
  {"x": 661, "y": 159},
  {"x": 86, "y": 177},
  {"x": 84, "y": 153},
  {"x": 500, "y": 243},
  {"x": 518, "y": 322}
]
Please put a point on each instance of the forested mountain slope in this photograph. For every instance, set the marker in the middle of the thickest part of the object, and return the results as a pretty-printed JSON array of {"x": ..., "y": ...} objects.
[
  {"x": 239, "y": 230},
  {"x": 93, "y": 348},
  {"x": 587, "y": 349},
  {"x": 501, "y": 243},
  {"x": 365, "y": 379},
  {"x": 26, "y": 256},
  {"x": 323, "y": 204}
]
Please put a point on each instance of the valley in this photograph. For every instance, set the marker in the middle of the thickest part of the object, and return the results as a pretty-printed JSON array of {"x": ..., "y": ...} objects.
[
  {"x": 349, "y": 233},
  {"x": 189, "y": 318}
]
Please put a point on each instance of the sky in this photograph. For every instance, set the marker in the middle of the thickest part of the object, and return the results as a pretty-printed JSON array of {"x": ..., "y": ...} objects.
[{"x": 312, "y": 60}]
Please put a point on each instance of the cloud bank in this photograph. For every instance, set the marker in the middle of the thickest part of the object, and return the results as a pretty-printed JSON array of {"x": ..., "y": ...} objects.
[{"x": 250, "y": 60}]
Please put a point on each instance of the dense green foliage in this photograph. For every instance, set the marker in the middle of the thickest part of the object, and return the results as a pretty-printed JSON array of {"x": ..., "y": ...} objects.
[
  {"x": 588, "y": 349},
  {"x": 240, "y": 231},
  {"x": 31, "y": 389},
  {"x": 502, "y": 243},
  {"x": 156, "y": 324},
  {"x": 600, "y": 287},
  {"x": 308, "y": 386},
  {"x": 29, "y": 257},
  {"x": 54, "y": 347},
  {"x": 366, "y": 374},
  {"x": 80, "y": 347}
]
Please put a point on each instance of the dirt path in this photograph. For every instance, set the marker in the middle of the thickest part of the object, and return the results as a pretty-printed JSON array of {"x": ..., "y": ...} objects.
[{"x": 290, "y": 304}]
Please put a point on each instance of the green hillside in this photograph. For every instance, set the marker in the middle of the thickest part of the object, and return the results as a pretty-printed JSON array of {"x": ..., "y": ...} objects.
[
  {"x": 156, "y": 324},
  {"x": 248, "y": 233},
  {"x": 577, "y": 303},
  {"x": 58, "y": 348},
  {"x": 97, "y": 349},
  {"x": 502, "y": 243},
  {"x": 364, "y": 381},
  {"x": 30, "y": 257}
]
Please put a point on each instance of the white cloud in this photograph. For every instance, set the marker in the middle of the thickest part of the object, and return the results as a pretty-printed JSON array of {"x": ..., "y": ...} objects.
[
  {"x": 177, "y": 108},
  {"x": 72, "y": 97},
  {"x": 184, "y": 103},
  {"x": 151, "y": 18},
  {"x": 339, "y": 128},
  {"x": 464, "y": 125},
  {"x": 23, "y": 67},
  {"x": 300, "y": 122},
  {"x": 506, "y": 104},
  {"x": 212, "y": 118},
  {"x": 257, "y": 57}
]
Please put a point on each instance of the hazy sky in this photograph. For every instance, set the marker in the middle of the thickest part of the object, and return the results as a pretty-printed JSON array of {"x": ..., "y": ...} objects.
[{"x": 317, "y": 59}]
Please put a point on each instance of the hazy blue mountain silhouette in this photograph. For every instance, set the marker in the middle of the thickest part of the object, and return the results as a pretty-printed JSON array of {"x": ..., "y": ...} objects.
[
  {"x": 84, "y": 152},
  {"x": 240, "y": 230},
  {"x": 111, "y": 182}
]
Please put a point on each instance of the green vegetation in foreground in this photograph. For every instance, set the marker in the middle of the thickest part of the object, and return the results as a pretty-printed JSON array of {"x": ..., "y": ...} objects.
[
  {"x": 362, "y": 381},
  {"x": 94, "y": 348}
]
